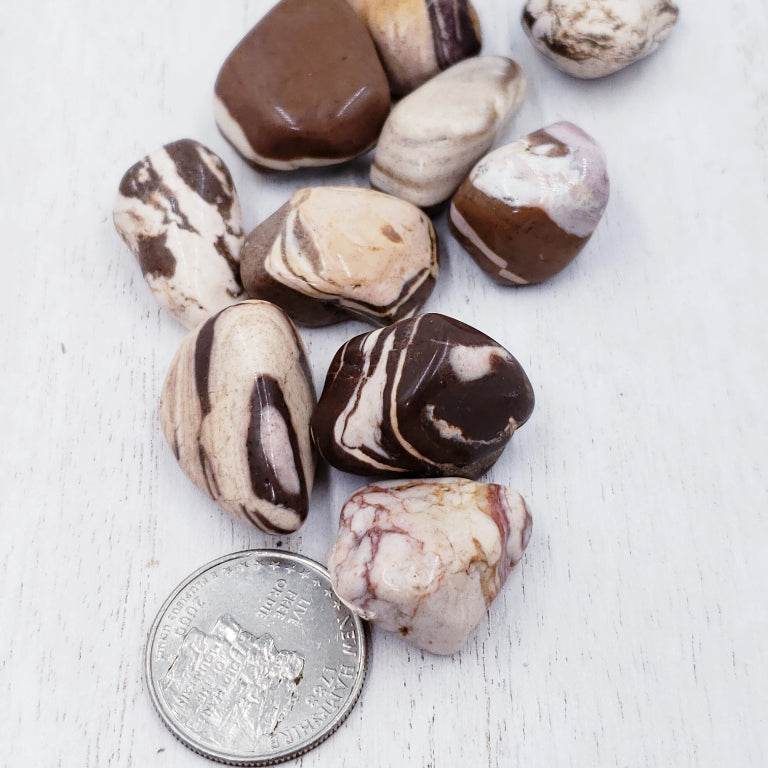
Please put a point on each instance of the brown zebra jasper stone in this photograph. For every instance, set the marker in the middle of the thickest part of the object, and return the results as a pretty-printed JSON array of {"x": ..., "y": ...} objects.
[
  {"x": 425, "y": 558},
  {"x": 303, "y": 88},
  {"x": 425, "y": 396},
  {"x": 528, "y": 208},
  {"x": 332, "y": 253},
  {"x": 418, "y": 38},
  {"x": 178, "y": 212},
  {"x": 235, "y": 409},
  {"x": 594, "y": 38}
]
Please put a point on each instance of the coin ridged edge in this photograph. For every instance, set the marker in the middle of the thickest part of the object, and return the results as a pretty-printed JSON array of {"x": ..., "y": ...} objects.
[{"x": 280, "y": 758}]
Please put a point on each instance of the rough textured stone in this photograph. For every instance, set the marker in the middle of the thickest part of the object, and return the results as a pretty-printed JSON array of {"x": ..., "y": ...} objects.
[
  {"x": 303, "y": 88},
  {"x": 434, "y": 136},
  {"x": 418, "y": 38},
  {"x": 178, "y": 212},
  {"x": 426, "y": 396},
  {"x": 593, "y": 38},
  {"x": 235, "y": 410},
  {"x": 334, "y": 252},
  {"x": 426, "y": 558},
  {"x": 528, "y": 208}
]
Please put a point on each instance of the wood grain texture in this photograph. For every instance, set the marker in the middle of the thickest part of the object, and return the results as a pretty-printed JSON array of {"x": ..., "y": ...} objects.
[{"x": 633, "y": 633}]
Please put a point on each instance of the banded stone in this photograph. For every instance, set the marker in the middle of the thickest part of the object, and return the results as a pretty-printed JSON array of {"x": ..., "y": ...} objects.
[
  {"x": 425, "y": 396},
  {"x": 178, "y": 212},
  {"x": 334, "y": 252},
  {"x": 303, "y": 88},
  {"x": 416, "y": 39},
  {"x": 426, "y": 558},
  {"x": 528, "y": 208},
  {"x": 594, "y": 38},
  {"x": 434, "y": 136},
  {"x": 235, "y": 409}
]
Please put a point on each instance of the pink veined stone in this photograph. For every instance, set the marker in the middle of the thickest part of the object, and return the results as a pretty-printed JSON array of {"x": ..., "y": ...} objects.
[{"x": 426, "y": 558}]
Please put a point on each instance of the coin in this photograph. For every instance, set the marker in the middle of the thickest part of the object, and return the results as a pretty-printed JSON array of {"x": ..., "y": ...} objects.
[{"x": 254, "y": 660}]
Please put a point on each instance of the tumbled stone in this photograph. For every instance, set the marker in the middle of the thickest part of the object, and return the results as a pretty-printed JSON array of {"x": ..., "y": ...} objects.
[
  {"x": 235, "y": 409},
  {"x": 434, "y": 136},
  {"x": 334, "y": 252},
  {"x": 528, "y": 208},
  {"x": 426, "y": 558},
  {"x": 593, "y": 38},
  {"x": 303, "y": 88},
  {"x": 425, "y": 396},
  {"x": 418, "y": 38},
  {"x": 178, "y": 212}
]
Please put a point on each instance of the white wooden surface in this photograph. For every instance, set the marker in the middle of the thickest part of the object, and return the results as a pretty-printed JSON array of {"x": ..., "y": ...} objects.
[{"x": 634, "y": 632}]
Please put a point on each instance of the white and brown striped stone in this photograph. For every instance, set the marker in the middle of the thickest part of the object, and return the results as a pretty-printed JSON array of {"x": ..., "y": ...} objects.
[
  {"x": 594, "y": 38},
  {"x": 528, "y": 208},
  {"x": 427, "y": 396},
  {"x": 434, "y": 136},
  {"x": 334, "y": 252},
  {"x": 426, "y": 558},
  {"x": 178, "y": 212},
  {"x": 235, "y": 410},
  {"x": 416, "y": 39}
]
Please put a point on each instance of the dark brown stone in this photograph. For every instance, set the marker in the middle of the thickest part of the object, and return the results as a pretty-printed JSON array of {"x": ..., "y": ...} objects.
[{"x": 425, "y": 396}]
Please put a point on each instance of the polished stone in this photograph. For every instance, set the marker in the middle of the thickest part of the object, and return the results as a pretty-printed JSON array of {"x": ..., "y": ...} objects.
[
  {"x": 178, "y": 212},
  {"x": 331, "y": 253},
  {"x": 303, "y": 88},
  {"x": 428, "y": 396},
  {"x": 594, "y": 38},
  {"x": 426, "y": 558},
  {"x": 235, "y": 410},
  {"x": 416, "y": 39},
  {"x": 435, "y": 135},
  {"x": 528, "y": 208}
]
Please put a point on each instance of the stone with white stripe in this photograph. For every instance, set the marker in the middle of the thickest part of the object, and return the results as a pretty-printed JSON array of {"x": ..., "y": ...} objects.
[
  {"x": 178, "y": 212},
  {"x": 416, "y": 39},
  {"x": 594, "y": 38},
  {"x": 434, "y": 136},
  {"x": 426, "y": 558},
  {"x": 235, "y": 410},
  {"x": 428, "y": 396},
  {"x": 528, "y": 208},
  {"x": 332, "y": 253}
]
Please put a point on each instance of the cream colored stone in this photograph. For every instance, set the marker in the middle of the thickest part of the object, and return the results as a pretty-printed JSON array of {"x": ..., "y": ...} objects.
[
  {"x": 235, "y": 410},
  {"x": 435, "y": 135},
  {"x": 369, "y": 254},
  {"x": 593, "y": 38},
  {"x": 426, "y": 558}
]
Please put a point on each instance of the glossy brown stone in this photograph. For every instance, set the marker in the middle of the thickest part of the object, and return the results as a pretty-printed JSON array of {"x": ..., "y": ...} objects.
[
  {"x": 303, "y": 88},
  {"x": 526, "y": 236},
  {"x": 528, "y": 208},
  {"x": 426, "y": 396}
]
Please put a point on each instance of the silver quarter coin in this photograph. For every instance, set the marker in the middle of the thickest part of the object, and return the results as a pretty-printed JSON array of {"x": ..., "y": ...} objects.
[{"x": 254, "y": 660}]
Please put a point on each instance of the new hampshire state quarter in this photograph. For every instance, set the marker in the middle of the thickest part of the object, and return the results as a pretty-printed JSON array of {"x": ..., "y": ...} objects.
[{"x": 253, "y": 659}]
